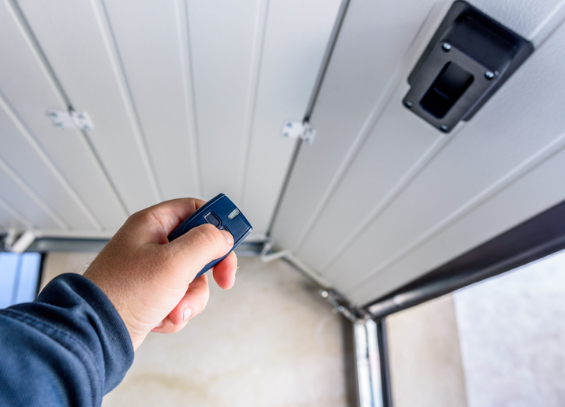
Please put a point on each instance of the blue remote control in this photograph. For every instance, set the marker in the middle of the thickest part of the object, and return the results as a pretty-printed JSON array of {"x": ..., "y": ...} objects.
[{"x": 221, "y": 212}]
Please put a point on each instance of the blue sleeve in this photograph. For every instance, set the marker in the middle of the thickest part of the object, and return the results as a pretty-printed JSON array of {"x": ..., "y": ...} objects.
[{"x": 67, "y": 348}]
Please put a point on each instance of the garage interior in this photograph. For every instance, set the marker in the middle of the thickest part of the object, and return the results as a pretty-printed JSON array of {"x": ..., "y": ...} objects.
[{"x": 370, "y": 224}]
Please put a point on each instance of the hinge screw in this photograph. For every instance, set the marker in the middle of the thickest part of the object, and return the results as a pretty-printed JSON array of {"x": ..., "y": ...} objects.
[{"x": 446, "y": 47}]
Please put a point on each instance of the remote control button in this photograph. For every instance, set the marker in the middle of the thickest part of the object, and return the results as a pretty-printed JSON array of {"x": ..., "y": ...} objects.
[{"x": 212, "y": 219}]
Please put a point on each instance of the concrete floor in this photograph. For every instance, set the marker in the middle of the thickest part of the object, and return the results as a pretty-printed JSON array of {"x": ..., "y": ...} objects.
[{"x": 270, "y": 341}]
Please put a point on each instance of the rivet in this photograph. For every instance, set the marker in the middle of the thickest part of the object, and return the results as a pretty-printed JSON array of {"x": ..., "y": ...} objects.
[
  {"x": 286, "y": 135},
  {"x": 489, "y": 75},
  {"x": 443, "y": 127},
  {"x": 446, "y": 47},
  {"x": 408, "y": 104}
]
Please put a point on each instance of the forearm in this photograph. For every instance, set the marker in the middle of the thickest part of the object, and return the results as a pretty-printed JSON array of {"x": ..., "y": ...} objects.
[{"x": 68, "y": 347}]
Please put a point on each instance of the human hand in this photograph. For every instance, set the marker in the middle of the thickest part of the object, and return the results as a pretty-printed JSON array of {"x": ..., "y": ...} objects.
[{"x": 149, "y": 280}]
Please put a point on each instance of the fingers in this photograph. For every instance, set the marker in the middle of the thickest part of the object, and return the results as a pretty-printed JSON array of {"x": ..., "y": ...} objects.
[
  {"x": 224, "y": 271},
  {"x": 190, "y": 305},
  {"x": 158, "y": 221},
  {"x": 171, "y": 213},
  {"x": 198, "y": 247}
]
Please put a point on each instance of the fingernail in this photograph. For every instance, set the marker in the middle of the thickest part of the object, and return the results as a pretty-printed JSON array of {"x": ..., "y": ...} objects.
[
  {"x": 186, "y": 314},
  {"x": 228, "y": 236}
]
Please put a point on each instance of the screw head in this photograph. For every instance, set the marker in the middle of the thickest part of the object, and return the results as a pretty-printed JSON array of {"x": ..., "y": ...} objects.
[
  {"x": 53, "y": 115},
  {"x": 289, "y": 125},
  {"x": 489, "y": 75},
  {"x": 286, "y": 135},
  {"x": 60, "y": 125},
  {"x": 408, "y": 104},
  {"x": 443, "y": 127},
  {"x": 446, "y": 47}
]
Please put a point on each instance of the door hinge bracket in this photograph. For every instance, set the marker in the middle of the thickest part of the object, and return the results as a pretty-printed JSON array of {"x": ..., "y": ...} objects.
[
  {"x": 70, "y": 119},
  {"x": 302, "y": 130}
]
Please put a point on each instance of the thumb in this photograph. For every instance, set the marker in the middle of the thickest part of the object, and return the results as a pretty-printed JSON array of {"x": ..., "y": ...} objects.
[{"x": 198, "y": 247}]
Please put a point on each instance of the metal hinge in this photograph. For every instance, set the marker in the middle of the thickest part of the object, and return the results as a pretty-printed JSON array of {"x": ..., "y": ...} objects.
[
  {"x": 344, "y": 307},
  {"x": 301, "y": 130},
  {"x": 70, "y": 119}
]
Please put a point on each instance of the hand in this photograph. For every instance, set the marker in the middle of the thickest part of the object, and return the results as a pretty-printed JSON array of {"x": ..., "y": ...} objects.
[{"x": 150, "y": 280}]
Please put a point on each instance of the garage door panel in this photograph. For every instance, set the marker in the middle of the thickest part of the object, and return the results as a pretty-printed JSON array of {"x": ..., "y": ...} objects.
[
  {"x": 77, "y": 41},
  {"x": 365, "y": 68},
  {"x": 385, "y": 163},
  {"x": 289, "y": 65},
  {"x": 153, "y": 44},
  {"x": 504, "y": 211},
  {"x": 27, "y": 93},
  {"x": 497, "y": 142}
]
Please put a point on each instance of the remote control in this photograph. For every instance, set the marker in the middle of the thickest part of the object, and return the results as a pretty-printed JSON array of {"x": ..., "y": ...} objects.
[{"x": 221, "y": 212}]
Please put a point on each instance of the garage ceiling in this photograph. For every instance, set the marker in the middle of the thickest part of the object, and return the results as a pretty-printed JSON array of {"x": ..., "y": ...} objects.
[{"x": 187, "y": 99}]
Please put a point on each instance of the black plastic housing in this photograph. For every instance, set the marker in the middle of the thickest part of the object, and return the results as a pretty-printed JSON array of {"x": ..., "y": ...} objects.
[{"x": 469, "y": 57}]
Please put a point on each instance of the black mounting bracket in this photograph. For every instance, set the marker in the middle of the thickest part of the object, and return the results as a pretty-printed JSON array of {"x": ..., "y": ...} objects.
[{"x": 469, "y": 57}]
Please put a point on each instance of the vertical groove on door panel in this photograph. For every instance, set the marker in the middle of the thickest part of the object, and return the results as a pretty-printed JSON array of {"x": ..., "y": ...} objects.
[
  {"x": 43, "y": 156},
  {"x": 290, "y": 63},
  {"x": 382, "y": 101},
  {"x": 532, "y": 20},
  {"x": 261, "y": 17},
  {"x": 341, "y": 13},
  {"x": 105, "y": 28},
  {"x": 33, "y": 44},
  {"x": 104, "y": 171},
  {"x": 394, "y": 192},
  {"x": 59, "y": 92},
  {"x": 33, "y": 196},
  {"x": 513, "y": 176},
  {"x": 190, "y": 97},
  {"x": 222, "y": 38},
  {"x": 15, "y": 215},
  {"x": 549, "y": 25}
]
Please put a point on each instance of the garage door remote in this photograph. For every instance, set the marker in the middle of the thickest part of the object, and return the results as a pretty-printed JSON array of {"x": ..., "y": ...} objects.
[{"x": 221, "y": 212}]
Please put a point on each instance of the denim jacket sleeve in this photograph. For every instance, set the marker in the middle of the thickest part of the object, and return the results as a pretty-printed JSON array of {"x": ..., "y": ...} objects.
[{"x": 69, "y": 347}]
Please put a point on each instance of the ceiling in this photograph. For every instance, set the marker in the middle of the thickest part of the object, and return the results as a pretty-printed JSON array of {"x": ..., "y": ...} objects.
[
  {"x": 382, "y": 197},
  {"x": 187, "y": 98}
]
